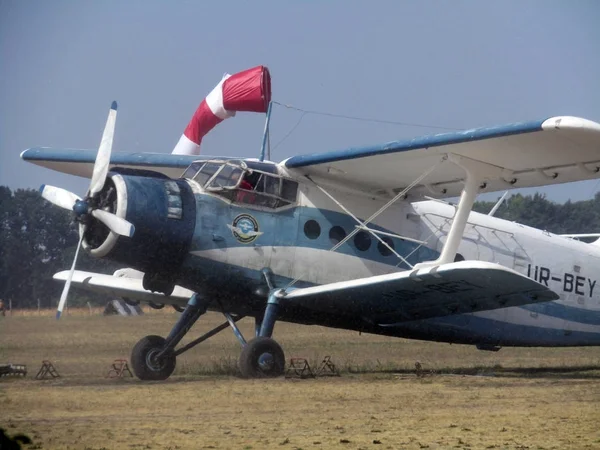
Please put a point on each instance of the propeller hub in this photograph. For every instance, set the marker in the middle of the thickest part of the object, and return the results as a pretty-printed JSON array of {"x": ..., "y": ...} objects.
[{"x": 80, "y": 208}]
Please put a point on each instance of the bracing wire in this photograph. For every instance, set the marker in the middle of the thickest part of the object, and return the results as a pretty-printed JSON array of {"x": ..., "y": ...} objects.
[
  {"x": 365, "y": 119},
  {"x": 289, "y": 132},
  {"x": 306, "y": 112}
]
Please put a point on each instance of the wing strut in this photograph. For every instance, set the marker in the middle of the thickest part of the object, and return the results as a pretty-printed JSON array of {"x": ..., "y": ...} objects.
[
  {"x": 498, "y": 204},
  {"x": 363, "y": 225},
  {"x": 477, "y": 172}
]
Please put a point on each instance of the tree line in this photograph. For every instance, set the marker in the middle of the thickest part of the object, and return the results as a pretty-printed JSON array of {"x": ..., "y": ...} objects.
[{"x": 38, "y": 239}]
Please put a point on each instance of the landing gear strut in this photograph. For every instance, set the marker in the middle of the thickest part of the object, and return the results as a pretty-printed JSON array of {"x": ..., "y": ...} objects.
[
  {"x": 263, "y": 357},
  {"x": 154, "y": 357}
]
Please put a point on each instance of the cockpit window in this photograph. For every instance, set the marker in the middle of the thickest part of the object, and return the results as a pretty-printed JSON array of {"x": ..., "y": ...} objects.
[
  {"x": 266, "y": 190},
  {"x": 206, "y": 173},
  {"x": 227, "y": 177},
  {"x": 192, "y": 170},
  {"x": 240, "y": 184},
  {"x": 289, "y": 190},
  {"x": 272, "y": 185}
]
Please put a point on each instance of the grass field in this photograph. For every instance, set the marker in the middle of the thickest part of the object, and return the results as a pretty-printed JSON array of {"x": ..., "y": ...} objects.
[{"x": 515, "y": 398}]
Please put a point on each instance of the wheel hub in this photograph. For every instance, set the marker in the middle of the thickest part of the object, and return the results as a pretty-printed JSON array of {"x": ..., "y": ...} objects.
[
  {"x": 266, "y": 362},
  {"x": 153, "y": 361}
]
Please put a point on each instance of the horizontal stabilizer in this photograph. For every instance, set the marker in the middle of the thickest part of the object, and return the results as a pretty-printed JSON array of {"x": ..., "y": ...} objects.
[
  {"x": 129, "y": 288},
  {"x": 455, "y": 288}
]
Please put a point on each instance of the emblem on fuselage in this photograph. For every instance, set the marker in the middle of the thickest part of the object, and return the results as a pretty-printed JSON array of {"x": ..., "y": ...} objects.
[{"x": 245, "y": 228}]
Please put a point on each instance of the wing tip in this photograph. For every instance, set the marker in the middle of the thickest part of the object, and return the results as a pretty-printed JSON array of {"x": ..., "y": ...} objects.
[
  {"x": 24, "y": 154},
  {"x": 570, "y": 122},
  {"x": 62, "y": 275}
]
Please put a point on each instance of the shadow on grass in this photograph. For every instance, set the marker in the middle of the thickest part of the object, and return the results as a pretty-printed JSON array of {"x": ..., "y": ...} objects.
[
  {"x": 559, "y": 372},
  {"x": 227, "y": 368}
]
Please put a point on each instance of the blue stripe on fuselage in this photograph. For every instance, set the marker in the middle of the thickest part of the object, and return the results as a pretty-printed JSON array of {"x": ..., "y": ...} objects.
[
  {"x": 471, "y": 329},
  {"x": 570, "y": 313},
  {"x": 293, "y": 234}
]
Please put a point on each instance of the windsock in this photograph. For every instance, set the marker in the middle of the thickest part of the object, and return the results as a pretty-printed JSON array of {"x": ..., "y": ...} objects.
[{"x": 249, "y": 90}]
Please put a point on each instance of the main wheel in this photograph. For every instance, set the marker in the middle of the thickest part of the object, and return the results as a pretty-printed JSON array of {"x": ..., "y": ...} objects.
[
  {"x": 145, "y": 363},
  {"x": 262, "y": 357}
]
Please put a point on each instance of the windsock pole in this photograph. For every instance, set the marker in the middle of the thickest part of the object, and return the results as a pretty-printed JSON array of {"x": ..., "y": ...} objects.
[{"x": 266, "y": 134}]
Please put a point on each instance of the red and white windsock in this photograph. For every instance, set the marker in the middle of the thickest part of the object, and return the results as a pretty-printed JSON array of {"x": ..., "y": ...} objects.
[{"x": 249, "y": 90}]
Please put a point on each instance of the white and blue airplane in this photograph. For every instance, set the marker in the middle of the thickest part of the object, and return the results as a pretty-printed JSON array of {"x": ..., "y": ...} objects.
[{"x": 359, "y": 239}]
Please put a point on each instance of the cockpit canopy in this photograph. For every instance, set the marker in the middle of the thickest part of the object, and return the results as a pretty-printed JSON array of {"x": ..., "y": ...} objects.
[{"x": 247, "y": 182}]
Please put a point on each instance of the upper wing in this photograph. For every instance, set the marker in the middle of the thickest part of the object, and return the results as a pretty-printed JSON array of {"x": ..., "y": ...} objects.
[
  {"x": 555, "y": 150},
  {"x": 81, "y": 162},
  {"x": 455, "y": 288},
  {"x": 130, "y": 288}
]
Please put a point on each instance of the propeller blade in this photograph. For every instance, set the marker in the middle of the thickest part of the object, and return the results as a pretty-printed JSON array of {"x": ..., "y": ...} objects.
[
  {"x": 114, "y": 222},
  {"x": 103, "y": 155},
  {"x": 65, "y": 292},
  {"x": 59, "y": 196}
]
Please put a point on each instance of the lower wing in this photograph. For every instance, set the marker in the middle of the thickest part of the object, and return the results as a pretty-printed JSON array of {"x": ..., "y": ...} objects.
[
  {"x": 448, "y": 289},
  {"x": 128, "y": 288}
]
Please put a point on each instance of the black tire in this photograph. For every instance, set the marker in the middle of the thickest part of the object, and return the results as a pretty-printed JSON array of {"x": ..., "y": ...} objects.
[
  {"x": 156, "y": 305},
  {"x": 262, "y": 357},
  {"x": 147, "y": 368}
]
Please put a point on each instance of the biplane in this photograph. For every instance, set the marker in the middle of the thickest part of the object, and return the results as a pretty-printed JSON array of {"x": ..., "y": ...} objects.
[{"x": 361, "y": 239}]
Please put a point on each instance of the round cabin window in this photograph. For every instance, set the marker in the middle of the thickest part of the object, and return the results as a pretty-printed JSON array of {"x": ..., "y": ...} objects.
[
  {"x": 312, "y": 229},
  {"x": 336, "y": 234},
  {"x": 362, "y": 241},
  {"x": 383, "y": 249}
]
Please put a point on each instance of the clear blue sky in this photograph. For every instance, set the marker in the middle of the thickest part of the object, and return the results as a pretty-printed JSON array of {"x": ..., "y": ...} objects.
[{"x": 457, "y": 64}]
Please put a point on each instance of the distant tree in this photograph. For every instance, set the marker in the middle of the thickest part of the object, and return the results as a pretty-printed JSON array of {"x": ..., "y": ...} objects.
[
  {"x": 538, "y": 212},
  {"x": 37, "y": 240}
]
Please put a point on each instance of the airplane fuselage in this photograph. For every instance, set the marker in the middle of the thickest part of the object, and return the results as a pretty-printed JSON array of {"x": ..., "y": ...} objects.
[{"x": 233, "y": 243}]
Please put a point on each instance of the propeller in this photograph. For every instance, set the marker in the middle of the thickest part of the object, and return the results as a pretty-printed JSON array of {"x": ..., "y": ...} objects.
[
  {"x": 65, "y": 291},
  {"x": 83, "y": 208}
]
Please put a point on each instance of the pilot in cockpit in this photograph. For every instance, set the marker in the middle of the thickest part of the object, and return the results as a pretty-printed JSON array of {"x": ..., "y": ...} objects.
[{"x": 245, "y": 185}]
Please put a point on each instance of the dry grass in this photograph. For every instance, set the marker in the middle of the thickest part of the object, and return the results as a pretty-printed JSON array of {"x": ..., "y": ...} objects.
[{"x": 533, "y": 398}]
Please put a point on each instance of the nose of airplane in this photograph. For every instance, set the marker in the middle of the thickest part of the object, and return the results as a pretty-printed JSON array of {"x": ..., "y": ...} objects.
[{"x": 163, "y": 212}]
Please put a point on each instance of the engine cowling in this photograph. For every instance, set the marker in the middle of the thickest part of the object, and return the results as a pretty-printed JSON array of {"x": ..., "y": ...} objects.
[{"x": 163, "y": 212}]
